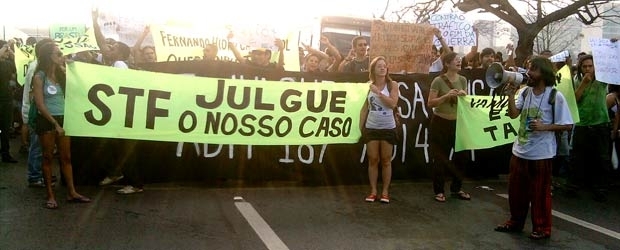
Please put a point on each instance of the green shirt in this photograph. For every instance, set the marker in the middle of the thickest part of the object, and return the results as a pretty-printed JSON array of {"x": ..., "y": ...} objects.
[
  {"x": 593, "y": 106},
  {"x": 446, "y": 108}
]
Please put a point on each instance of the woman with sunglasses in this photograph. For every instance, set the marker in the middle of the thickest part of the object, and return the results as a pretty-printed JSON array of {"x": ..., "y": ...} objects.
[{"x": 48, "y": 89}]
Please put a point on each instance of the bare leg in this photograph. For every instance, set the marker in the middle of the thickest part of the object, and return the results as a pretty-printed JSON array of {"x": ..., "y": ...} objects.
[
  {"x": 47, "y": 146},
  {"x": 386, "y": 166},
  {"x": 64, "y": 149},
  {"x": 372, "y": 150}
]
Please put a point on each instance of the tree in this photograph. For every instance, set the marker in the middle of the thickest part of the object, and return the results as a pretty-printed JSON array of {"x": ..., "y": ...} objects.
[
  {"x": 588, "y": 11},
  {"x": 417, "y": 12},
  {"x": 548, "y": 37}
]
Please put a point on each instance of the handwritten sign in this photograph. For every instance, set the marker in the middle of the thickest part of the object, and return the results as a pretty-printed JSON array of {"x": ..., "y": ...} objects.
[
  {"x": 482, "y": 122},
  {"x": 560, "y": 57},
  {"x": 455, "y": 29},
  {"x": 60, "y": 31},
  {"x": 606, "y": 56},
  {"x": 406, "y": 47}
]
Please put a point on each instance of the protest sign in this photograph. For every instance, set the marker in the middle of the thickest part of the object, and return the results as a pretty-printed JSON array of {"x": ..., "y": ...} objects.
[
  {"x": 560, "y": 57},
  {"x": 455, "y": 29},
  {"x": 59, "y": 31},
  {"x": 70, "y": 45},
  {"x": 180, "y": 43},
  {"x": 606, "y": 56},
  {"x": 482, "y": 122},
  {"x": 24, "y": 54},
  {"x": 108, "y": 102},
  {"x": 405, "y": 46},
  {"x": 565, "y": 86}
]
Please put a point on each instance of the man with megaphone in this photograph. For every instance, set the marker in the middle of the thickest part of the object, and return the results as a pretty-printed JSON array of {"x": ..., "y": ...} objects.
[{"x": 535, "y": 146}]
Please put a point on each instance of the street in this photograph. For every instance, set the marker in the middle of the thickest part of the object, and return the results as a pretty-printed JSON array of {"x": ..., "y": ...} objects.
[{"x": 285, "y": 215}]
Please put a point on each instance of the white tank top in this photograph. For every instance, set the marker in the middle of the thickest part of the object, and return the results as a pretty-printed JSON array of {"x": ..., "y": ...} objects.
[{"x": 380, "y": 116}]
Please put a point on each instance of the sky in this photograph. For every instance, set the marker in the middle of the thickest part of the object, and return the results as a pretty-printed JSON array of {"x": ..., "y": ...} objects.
[{"x": 78, "y": 11}]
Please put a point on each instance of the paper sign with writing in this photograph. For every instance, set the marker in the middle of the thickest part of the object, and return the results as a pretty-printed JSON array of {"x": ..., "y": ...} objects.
[
  {"x": 606, "y": 57},
  {"x": 455, "y": 29},
  {"x": 405, "y": 46},
  {"x": 67, "y": 31},
  {"x": 482, "y": 122},
  {"x": 23, "y": 56},
  {"x": 181, "y": 43}
]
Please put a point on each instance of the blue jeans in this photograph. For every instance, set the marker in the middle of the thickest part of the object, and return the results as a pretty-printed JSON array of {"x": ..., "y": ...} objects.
[{"x": 35, "y": 157}]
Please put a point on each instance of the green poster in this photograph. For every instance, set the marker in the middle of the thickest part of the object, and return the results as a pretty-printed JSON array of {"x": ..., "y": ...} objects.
[
  {"x": 63, "y": 31},
  {"x": 73, "y": 44},
  {"x": 115, "y": 103},
  {"x": 23, "y": 56},
  {"x": 565, "y": 86},
  {"x": 482, "y": 122}
]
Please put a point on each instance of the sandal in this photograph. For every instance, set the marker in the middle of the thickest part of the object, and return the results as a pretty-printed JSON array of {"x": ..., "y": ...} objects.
[
  {"x": 51, "y": 205},
  {"x": 462, "y": 195},
  {"x": 79, "y": 199},
  {"x": 440, "y": 198},
  {"x": 536, "y": 235},
  {"x": 371, "y": 198},
  {"x": 507, "y": 228}
]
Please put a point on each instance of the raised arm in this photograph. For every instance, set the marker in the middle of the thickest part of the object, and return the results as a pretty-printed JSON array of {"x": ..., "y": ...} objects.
[
  {"x": 234, "y": 48},
  {"x": 443, "y": 42},
  {"x": 280, "y": 44},
  {"x": 136, "y": 50},
  {"x": 99, "y": 35}
]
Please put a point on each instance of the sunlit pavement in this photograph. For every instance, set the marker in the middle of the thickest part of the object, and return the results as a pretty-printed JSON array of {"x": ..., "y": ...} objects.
[{"x": 286, "y": 216}]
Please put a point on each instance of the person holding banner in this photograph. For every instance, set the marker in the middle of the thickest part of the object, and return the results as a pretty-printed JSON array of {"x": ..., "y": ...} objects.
[
  {"x": 534, "y": 148},
  {"x": 48, "y": 88},
  {"x": 442, "y": 98},
  {"x": 591, "y": 160},
  {"x": 613, "y": 108},
  {"x": 378, "y": 123}
]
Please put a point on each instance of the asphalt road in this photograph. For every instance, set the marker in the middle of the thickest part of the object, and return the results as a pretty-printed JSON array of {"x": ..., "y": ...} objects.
[{"x": 287, "y": 216}]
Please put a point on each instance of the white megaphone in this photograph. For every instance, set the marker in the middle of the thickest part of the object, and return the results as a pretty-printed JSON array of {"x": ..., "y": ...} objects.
[{"x": 496, "y": 76}]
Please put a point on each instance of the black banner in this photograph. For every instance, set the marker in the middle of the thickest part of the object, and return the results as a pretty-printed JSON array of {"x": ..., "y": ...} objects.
[{"x": 317, "y": 164}]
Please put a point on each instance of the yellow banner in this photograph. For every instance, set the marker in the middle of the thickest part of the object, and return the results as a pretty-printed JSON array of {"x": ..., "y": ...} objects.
[{"x": 115, "y": 103}]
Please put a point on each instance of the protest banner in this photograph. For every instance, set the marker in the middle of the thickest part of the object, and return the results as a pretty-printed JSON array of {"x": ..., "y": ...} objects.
[
  {"x": 560, "y": 57},
  {"x": 455, "y": 29},
  {"x": 70, "y": 45},
  {"x": 180, "y": 43},
  {"x": 24, "y": 55},
  {"x": 115, "y": 103},
  {"x": 606, "y": 56},
  {"x": 482, "y": 122},
  {"x": 59, "y": 31},
  {"x": 565, "y": 86},
  {"x": 406, "y": 47}
]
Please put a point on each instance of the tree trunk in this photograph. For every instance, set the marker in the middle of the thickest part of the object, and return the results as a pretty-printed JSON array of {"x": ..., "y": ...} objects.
[{"x": 525, "y": 45}]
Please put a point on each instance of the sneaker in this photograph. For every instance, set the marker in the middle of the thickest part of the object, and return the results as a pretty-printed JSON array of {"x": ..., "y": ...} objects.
[
  {"x": 38, "y": 183},
  {"x": 129, "y": 190},
  {"x": 371, "y": 198},
  {"x": 385, "y": 198},
  {"x": 109, "y": 180}
]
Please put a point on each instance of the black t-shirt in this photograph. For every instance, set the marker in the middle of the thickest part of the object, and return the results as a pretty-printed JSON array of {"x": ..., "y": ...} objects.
[
  {"x": 7, "y": 69},
  {"x": 271, "y": 65}
]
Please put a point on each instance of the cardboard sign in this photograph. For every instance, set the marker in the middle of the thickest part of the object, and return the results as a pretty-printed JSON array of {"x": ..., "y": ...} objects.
[{"x": 406, "y": 47}]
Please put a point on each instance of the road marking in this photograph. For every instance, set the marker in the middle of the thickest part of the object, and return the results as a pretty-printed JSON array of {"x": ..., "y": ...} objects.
[
  {"x": 582, "y": 223},
  {"x": 260, "y": 226}
]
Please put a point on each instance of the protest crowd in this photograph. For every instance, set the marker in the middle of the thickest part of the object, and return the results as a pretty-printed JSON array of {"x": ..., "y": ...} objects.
[{"x": 550, "y": 151}]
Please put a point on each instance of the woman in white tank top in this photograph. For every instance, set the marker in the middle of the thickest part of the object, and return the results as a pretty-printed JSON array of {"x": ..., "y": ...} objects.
[{"x": 378, "y": 127}]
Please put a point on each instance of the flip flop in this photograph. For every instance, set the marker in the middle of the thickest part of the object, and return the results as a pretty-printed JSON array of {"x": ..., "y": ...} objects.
[
  {"x": 51, "y": 205},
  {"x": 440, "y": 197},
  {"x": 79, "y": 199},
  {"x": 462, "y": 195}
]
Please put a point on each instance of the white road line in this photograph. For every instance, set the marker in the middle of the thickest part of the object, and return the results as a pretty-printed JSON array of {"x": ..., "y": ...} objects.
[
  {"x": 582, "y": 223},
  {"x": 260, "y": 226}
]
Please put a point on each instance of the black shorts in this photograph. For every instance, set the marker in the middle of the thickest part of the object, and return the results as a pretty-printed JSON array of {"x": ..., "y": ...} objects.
[
  {"x": 43, "y": 125},
  {"x": 388, "y": 135}
]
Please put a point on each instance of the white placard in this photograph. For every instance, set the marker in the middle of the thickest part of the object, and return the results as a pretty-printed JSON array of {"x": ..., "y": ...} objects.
[
  {"x": 455, "y": 29},
  {"x": 606, "y": 60}
]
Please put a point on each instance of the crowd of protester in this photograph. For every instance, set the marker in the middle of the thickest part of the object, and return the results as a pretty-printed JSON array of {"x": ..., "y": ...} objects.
[{"x": 582, "y": 154}]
